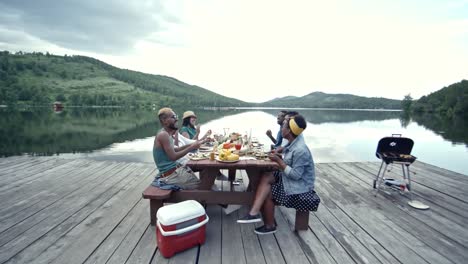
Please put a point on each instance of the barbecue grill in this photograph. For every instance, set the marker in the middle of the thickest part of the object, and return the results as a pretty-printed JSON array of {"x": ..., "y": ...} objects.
[{"x": 396, "y": 150}]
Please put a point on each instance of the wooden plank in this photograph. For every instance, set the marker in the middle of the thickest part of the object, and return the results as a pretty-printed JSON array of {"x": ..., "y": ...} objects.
[
  {"x": 270, "y": 248},
  {"x": 454, "y": 189},
  {"x": 344, "y": 200},
  {"x": 357, "y": 196},
  {"x": 428, "y": 195},
  {"x": 440, "y": 175},
  {"x": 210, "y": 252},
  {"x": 314, "y": 249},
  {"x": 288, "y": 242},
  {"x": 231, "y": 241},
  {"x": 360, "y": 233},
  {"x": 126, "y": 247},
  {"x": 50, "y": 200},
  {"x": 21, "y": 164},
  {"x": 53, "y": 216},
  {"x": 355, "y": 248},
  {"x": 26, "y": 214},
  {"x": 437, "y": 218},
  {"x": 250, "y": 241},
  {"x": 443, "y": 205},
  {"x": 349, "y": 215},
  {"x": 45, "y": 174},
  {"x": 8, "y": 163},
  {"x": 117, "y": 243},
  {"x": 440, "y": 171},
  {"x": 47, "y": 240},
  {"x": 13, "y": 159},
  {"x": 29, "y": 198},
  {"x": 17, "y": 176},
  {"x": 262, "y": 247},
  {"x": 79, "y": 243},
  {"x": 145, "y": 248}
]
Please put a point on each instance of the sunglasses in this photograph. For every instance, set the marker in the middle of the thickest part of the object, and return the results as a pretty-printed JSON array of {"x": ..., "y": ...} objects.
[{"x": 174, "y": 116}]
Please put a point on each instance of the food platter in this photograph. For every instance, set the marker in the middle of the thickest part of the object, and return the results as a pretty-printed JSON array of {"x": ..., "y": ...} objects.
[
  {"x": 226, "y": 161},
  {"x": 197, "y": 156},
  {"x": 205, "y": 149}
]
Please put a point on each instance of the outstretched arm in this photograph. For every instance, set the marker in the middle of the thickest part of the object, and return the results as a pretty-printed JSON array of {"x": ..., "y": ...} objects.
[
  {"x": 268, "y": 133},
  {"x": 164, "y": 142}
]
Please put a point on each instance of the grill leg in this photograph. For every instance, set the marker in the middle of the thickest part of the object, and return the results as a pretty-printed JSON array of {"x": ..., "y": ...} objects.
[
  {"x": 409, "y": 177},
  {"x": 410, "y": 190},
  {"x": 379, "y": 179},
  {"x": 377, "y": 176}
]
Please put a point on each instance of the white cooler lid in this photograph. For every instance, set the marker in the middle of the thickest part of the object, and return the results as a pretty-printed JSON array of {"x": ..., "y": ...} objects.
[{"x": 180, "y": 212}]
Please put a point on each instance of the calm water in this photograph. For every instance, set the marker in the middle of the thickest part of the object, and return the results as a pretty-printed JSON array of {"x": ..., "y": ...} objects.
[{"x": 127, "y": 135}]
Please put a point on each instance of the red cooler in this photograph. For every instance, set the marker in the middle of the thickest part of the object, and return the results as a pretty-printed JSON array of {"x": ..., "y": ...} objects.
[{"x": 180, "y": 226}]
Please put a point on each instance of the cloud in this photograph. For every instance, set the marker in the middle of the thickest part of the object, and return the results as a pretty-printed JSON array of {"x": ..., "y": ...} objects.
[
  {"x": 103, "y": 26},
  {"x": 258, "y": 50}
]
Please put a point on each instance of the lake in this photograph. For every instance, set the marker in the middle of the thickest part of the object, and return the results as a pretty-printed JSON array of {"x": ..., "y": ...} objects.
[{"x": 128, "y": 134}]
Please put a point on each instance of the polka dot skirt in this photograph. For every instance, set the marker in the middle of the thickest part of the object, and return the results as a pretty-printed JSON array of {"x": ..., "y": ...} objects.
[{"x": 308, "y": 201}]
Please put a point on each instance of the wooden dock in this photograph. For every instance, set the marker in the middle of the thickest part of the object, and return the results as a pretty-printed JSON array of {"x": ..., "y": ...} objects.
[{"x": 56, "y": 210}]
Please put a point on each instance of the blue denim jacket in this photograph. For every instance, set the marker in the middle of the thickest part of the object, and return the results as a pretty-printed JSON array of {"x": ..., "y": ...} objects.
[
  {"x": 299, "y": 175},
  {"x": 279, "y": 139}
]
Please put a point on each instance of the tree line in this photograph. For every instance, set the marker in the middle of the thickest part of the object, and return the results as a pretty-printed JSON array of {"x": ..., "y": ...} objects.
[
  {"x": 449, "y": 102},
  {"x": 39, "y": 79}
]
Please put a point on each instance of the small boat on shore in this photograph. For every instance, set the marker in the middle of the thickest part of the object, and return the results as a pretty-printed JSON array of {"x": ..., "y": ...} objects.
[{"x": 58, "y": 106}]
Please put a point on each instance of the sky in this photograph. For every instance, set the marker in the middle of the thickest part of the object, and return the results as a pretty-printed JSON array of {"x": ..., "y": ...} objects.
[{"x": 258, "y": 50}]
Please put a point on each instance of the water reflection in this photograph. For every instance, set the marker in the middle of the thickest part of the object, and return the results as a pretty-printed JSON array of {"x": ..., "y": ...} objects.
[
  {"x": 454, "y": 130},
  {"x": 44, "y": 132},
  {"x": 124, "y": 134},
  {"x": 316, "y": 116}
]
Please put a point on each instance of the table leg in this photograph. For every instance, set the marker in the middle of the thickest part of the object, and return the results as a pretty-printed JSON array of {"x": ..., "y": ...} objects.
[
  {"x": 232, "y": 177},
  {"x": 207, "y": 178},
  {"x": 254, "y": 178}
]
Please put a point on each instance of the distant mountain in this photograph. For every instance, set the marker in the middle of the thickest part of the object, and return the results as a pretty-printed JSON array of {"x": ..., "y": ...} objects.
[
  {"x": 40, "y": 79},
  {"x": 324, "y": 100}
]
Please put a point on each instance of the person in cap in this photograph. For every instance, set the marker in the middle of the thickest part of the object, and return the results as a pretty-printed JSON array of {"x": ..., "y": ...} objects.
[
  {"x": 191, "y": 131},
  {"x": 189, "y": 127},
  {"x": 291, "y": 186},
  {"x": 165, "y": 154}
]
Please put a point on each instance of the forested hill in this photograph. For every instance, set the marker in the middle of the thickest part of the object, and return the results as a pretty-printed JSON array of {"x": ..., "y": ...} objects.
[
  {"x": 323, "y": 100},
  {"x": 40, "y": 79},
  {"x": 449, "y": 101}
]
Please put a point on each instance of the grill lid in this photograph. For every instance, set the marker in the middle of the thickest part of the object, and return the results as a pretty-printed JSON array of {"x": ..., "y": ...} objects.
[{"x": 395, "y": 149}]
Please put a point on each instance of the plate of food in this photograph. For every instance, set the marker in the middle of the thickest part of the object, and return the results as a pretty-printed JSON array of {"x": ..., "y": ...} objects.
[
  {"x": 205, "y": 149},
  {"x": 226, "y": 161},
  {"x": 261, "y": 155},
  {"x": 198, "y": 156}
]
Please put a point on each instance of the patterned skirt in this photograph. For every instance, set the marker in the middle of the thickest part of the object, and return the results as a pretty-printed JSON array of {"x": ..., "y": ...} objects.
[{"x": 308, "y": 201}]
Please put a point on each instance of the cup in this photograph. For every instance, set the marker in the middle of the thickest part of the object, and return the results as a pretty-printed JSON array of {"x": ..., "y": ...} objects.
[{"x": 238, "y": 146}]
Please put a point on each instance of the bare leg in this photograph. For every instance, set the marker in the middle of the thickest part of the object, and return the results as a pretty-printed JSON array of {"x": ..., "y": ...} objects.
[
  {"x": 262, "y": 193},
  {"x": 268, "y": 211}
]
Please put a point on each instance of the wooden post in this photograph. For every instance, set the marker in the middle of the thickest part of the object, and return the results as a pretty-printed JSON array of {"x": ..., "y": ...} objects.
[{"x": 154, "y": 207}]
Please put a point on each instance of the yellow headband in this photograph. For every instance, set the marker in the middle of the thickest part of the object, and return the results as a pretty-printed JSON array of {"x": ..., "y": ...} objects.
[{"x": 294, "y": 127}]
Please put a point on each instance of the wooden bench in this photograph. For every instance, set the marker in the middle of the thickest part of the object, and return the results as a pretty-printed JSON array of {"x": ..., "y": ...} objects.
[{"x": 159, "y": 196}]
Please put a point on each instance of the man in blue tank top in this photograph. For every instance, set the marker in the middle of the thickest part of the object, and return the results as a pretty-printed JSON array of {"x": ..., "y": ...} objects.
[{"x": 165, "y": 154}]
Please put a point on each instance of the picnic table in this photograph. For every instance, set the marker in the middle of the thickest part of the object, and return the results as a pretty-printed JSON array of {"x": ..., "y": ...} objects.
[{"x": 208, "y": 170}]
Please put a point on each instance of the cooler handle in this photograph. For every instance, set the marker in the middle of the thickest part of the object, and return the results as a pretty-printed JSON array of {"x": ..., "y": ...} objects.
[{"x": 183, "y": 230}]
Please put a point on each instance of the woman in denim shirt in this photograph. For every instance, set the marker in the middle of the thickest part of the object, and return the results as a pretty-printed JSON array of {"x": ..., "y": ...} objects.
[{"x": 292, "y": 186}]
